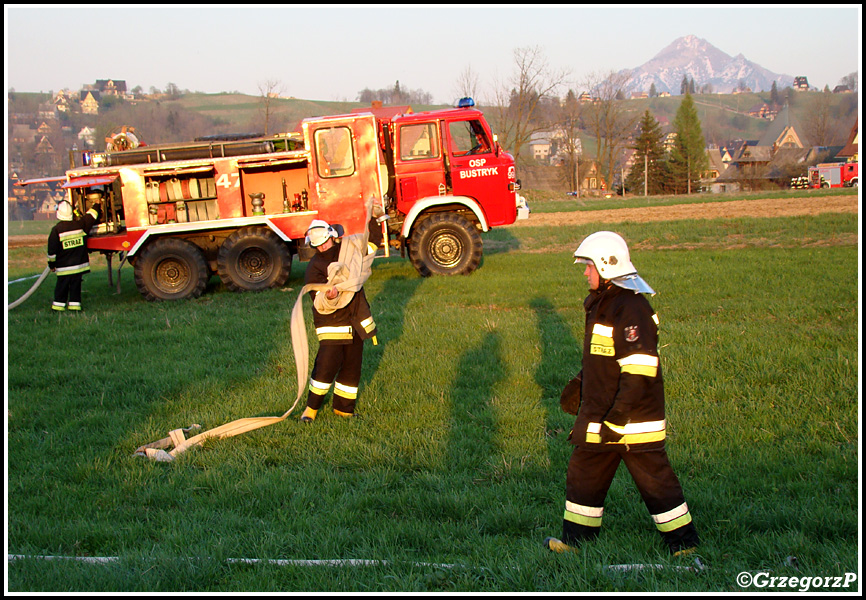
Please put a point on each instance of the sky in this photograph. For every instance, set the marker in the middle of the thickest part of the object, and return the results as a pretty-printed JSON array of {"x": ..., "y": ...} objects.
[{"x": 331, "y": 51}]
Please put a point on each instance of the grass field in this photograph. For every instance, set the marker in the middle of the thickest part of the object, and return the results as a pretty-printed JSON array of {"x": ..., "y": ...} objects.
[{"x": 456, "y": 472}]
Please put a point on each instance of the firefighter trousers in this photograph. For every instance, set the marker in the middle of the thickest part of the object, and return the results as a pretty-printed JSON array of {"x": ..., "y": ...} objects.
[
  {"x": 339, "y": 364},
  {"x": 588, "y": 480},
  {"x": 68, "y": 287}
]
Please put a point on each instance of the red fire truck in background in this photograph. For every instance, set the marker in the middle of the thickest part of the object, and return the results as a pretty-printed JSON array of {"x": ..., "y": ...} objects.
[
  {"x": 240, "y": 207},
  {"x": 833, "y": 175}
]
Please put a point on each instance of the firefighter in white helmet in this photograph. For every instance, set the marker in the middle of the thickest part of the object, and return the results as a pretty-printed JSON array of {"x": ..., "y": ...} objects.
[
  {"x": 67, "y": 252},
  {"x": 621, "y": 414},
  {"x": 341, "y": 333}
]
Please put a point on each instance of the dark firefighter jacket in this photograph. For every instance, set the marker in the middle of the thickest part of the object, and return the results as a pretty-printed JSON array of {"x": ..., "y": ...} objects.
[
  {"x": 355, "y": 318},
  {"x": 622, "y": 392},
  {"x": 67, "y": 250}
]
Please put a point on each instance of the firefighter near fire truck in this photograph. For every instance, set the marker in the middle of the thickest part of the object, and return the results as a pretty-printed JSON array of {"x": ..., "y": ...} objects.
[
  {"x": 618, "y": 399},
  {"x": 239, "y": 206},
  {"x": 341, "y": 328},
  {"x": 67, "y": 252}
]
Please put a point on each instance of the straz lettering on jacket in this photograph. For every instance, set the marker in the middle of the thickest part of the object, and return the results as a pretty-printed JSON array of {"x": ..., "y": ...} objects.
[
  {"x": 479, "y": 172},
  {"x": 72, "y": 239},
  {"x": 601, "y": 342}
]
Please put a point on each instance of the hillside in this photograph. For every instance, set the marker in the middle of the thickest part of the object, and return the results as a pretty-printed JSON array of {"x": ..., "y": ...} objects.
[{"x": 724, "y": 117}]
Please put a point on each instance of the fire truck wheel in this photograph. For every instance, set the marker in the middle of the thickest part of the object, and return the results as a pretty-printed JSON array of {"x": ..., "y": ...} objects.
[
  {"x": 253, "y": 259},
  {"x": 445, "y": 244},
  {"x": 171, "y": 269}
]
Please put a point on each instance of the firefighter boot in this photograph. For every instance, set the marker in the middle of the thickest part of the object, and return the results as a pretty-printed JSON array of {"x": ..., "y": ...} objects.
[
  {"x": 309, "y": 415},
  {"x": 555, "y": 545},
  {"x": 340, "y": 413}
]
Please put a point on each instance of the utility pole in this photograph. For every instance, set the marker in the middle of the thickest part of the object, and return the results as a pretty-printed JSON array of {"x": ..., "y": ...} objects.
[
  {"x": 577, "y": 176},
  {"x": 645, "y": 163}
]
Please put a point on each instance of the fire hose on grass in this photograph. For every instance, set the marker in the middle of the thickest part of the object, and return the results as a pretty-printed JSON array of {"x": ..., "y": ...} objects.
[{"x": 31, "y": 290}]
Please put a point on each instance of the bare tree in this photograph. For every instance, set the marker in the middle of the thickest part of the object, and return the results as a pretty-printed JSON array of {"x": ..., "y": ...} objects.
[
  {"x": 817, "y": 121},
  {"x": 517, "y": 102},
  {"x": 569, "y": 124},
  {"x": 608, "y": 120},
  {"x": 850, "y": 80},
  {"x": 269, "y": 91},
  {"x": 467, "y": 84}
]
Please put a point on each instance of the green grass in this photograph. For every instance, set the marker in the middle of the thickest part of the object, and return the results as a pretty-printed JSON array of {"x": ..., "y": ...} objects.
[
  {"x": 460, "y": 458},
  {"x": 546, "y": 202}
]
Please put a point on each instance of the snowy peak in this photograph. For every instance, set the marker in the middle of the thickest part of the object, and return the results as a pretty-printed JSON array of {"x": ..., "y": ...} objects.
[{"x": 711, "y": 69}]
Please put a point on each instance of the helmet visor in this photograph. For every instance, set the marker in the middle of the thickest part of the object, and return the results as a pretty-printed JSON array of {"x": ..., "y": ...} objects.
[
  {"x": 317, "y": 236},
  {"x": 633, "y": 282}
]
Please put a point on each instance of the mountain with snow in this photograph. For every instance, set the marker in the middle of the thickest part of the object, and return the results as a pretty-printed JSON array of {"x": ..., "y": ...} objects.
[{"x": 699, "y": 60}]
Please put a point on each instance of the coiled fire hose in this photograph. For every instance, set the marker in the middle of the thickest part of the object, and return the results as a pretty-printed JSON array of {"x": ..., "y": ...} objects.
[{"x": 31, "y": 290}]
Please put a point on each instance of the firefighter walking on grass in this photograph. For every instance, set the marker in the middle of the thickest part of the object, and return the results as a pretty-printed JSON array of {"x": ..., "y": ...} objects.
[
  {"x": 67, "y": 253},
  {"x": 619, "y": 401}
]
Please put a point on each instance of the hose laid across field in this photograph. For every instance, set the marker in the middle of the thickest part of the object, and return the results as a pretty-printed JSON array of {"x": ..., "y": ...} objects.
[{"x": 31, "y": 290}]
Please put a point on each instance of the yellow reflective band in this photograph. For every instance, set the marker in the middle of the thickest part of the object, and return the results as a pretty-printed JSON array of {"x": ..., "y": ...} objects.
[
  {"x": 602, "y": 330},
  {"x": 671, "y": 514},
  {"x": 71, "y": 234},
  {"x": 371, "y": 248},
  {"x": 601, "y": 342},
  {"x": 632, "y": 433},
  {"x": 82, "y": 268},
  {"x": 640, "y": 364},
  {"x": 334, "y": 333},
  {"x": 634, "y": 438},
  {"x": 368, "y": 324},
  {"x": 317, "y": 387},
  {"x": 587, "y": 511},
  {"x": 582, "y": 519},
  {"x": 675, "y": 524},
  {"x": 345, "y": 391}
]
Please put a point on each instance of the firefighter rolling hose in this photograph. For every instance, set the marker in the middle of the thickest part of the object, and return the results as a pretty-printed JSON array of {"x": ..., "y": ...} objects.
[
  {"x": 341, "y": 330},
  {"x": 619, "y": 402},
  {"x": 347, "y": 275}
]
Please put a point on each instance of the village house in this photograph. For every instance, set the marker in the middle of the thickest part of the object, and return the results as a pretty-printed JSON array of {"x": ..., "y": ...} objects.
[
  {"x": 89, "y": 100},
  {"x": 773, "y": 158}
]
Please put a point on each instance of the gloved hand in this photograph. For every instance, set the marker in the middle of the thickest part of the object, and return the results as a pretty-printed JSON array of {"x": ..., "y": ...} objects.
[
  {"x": 608, "y": 435},
  {"x": 569, "y": 400}
]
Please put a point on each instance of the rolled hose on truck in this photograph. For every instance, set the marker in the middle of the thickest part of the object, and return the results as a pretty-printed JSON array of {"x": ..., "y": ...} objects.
[{"x": 31, "y": 290}]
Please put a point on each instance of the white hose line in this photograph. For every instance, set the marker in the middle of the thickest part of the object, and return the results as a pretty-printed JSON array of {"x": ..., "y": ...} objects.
[
  {"x": 31, "y": 290},
  {"x": 342, "y": 562}
]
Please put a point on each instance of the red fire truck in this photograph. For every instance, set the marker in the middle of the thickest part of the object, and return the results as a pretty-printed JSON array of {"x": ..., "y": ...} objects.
[
  {"x": 833, "y": 175},
  {"x": 240, "y": 207}
]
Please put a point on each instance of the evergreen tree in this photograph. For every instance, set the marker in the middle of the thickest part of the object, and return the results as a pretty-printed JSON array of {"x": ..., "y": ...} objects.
[
  {"x": 775, "y": 98},
  {"x": 688, "y": 159},
  {"x": 649, "y": 151}
]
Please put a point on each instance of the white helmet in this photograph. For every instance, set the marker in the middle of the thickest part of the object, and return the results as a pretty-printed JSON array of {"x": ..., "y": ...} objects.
[
  {"x": 609, "y": 253},
  {"x": 318, "y": 233},
  {"x": 64, "y": 211}
]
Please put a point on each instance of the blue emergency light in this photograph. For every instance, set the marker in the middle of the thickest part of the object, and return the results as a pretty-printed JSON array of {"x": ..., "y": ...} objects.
[{"x": 465, "y": 103}]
